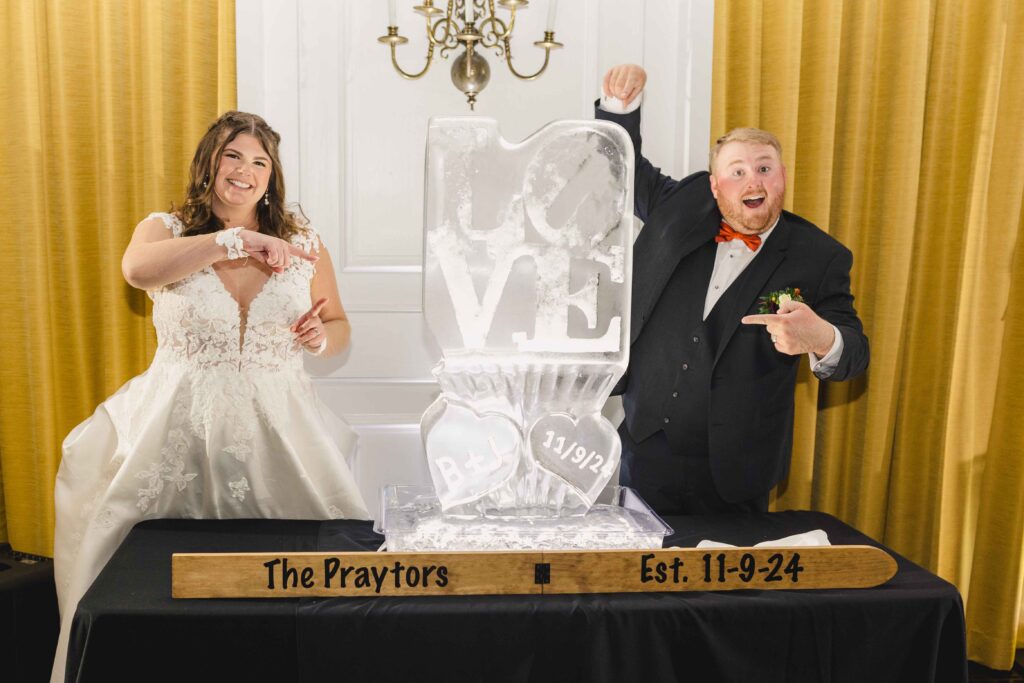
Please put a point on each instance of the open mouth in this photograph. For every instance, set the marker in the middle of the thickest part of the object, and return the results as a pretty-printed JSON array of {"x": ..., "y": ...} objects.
[
  {"x": 240, "y": 184},
  {"x": 754, "y": 202}
]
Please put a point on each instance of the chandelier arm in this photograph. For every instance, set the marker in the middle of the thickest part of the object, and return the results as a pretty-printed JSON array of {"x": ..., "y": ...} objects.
[
  {"x": 448, "y": 24},
  {"x": 412, "y": 76},
  {"x": 450, "y": 44},
  {"x": 523, "y": 77},
  {"x": 492, "y": 38},
  {"x": 506, "y": 34}
]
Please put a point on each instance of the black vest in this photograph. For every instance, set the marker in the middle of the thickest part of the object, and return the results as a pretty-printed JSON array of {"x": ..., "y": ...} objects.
[{"x": 671, "y": 362}]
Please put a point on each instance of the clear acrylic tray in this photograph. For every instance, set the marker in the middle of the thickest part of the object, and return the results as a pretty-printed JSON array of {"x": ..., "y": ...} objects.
[{"x": 411, "y": 520}]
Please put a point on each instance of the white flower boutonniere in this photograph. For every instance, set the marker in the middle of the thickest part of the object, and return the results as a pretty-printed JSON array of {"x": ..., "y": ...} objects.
[{"x": 771, "y": 302}]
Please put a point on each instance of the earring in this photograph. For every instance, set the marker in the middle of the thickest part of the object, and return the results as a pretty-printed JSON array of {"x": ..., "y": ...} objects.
[
  {"x": 266, "y": 199},
  {"x": 206, "y": 181}
]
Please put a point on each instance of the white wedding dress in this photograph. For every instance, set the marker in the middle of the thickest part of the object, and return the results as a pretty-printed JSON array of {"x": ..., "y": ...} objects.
[{"x": 219, "y": 426}]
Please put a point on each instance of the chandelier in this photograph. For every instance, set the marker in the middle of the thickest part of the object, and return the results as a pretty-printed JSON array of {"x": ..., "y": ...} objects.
[{"x": 474, "y": 25}]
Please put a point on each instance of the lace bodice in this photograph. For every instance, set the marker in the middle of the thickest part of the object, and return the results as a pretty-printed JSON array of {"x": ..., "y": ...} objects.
[
  {"x": 198, "y": 323},
  {"x": 213, "y": 428}
]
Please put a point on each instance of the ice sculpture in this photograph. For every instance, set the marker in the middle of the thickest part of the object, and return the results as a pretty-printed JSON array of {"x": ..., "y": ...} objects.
[
  {"x": 527, "y": 264},
  {"x": 526, "y": 288}
]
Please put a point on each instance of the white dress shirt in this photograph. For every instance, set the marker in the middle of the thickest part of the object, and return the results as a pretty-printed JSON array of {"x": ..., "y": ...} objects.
[{"x": 731, "y": 258}]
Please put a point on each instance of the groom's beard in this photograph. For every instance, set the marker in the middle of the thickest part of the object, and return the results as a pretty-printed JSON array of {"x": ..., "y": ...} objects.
[{"x": 751, "y": 221}]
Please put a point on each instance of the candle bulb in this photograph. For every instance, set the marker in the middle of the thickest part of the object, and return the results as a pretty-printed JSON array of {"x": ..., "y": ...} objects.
[
  {"x": 552, "y": 11},
  {"x": 392, "y": 14},
  {"x": 468, "y": 16}
]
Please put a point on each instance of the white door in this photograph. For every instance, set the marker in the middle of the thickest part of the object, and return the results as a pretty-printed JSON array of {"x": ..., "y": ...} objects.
[{"x": 353, "y": 137}]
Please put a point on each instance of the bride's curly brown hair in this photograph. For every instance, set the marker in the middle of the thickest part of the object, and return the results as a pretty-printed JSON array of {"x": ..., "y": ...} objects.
[{"x": 197, "y": 211}]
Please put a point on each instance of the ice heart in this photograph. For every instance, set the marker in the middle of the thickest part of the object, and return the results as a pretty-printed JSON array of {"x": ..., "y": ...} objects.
[
  {"x": 470, "y": 455},
  {"x": 584, "y": 452}
]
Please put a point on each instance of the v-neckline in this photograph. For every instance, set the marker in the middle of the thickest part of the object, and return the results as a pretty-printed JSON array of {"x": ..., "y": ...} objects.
[
  {"x": 242, "y": 314},
  {"x": 238, "y": 303}
]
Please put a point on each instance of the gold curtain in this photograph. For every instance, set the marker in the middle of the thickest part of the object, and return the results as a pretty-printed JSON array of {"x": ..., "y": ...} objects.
[
  {"x": 101, "y": 105},
  {"x": 901, "y": 131}
]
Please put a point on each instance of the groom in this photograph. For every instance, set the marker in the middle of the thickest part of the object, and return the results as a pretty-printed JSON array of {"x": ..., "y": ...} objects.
[{"x": 729, "y": 293}]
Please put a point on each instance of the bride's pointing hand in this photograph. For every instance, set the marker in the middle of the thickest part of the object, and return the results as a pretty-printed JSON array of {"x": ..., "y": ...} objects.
[
  {"x": 273, "y": 251},
  {"x": 309, "y": 329}
]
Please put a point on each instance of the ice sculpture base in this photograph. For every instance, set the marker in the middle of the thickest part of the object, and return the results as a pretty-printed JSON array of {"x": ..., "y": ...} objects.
[{"x": 411, "y": 520}]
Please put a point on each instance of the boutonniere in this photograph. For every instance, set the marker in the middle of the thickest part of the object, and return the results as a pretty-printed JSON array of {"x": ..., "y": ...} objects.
[{"x": 770, "y": 303}]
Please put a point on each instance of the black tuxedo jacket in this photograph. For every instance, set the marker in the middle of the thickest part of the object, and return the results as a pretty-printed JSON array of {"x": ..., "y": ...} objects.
[{"x": 748, "y": 395}]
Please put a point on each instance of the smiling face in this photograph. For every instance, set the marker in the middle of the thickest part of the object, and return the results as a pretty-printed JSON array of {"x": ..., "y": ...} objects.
[
  {"x": 748, "y": 181},
  {"x": 243, "y": 174}
]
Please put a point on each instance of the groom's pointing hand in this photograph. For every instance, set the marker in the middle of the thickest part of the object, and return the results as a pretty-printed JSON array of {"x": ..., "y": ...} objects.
[{"x": 796, "y": 329}]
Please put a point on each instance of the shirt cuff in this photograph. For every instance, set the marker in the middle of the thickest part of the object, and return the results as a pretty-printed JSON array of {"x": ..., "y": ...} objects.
[
  {"x": 613, "y": 105},
  {"x": 828, "y": 363}
]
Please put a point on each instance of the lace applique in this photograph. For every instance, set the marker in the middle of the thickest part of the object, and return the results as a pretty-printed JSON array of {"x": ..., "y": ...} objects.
[
  {"x": 198, "y": 322},
  {"x": 105, "y": 519},
  {"x": 308, "y": 238},
  {"x": 171, "y": 222},
  {"x": 87, "y": 508},
  {"x": 242, "y": 436},
  {"x": 267, "y": 342},
  {"x": 335, "y": 512},
  {"x": 239, "y": 488},
  {"x": 171, "y": 469},
  {"x": 198, "y": 328},
  {"x": 239, "y": 451}
]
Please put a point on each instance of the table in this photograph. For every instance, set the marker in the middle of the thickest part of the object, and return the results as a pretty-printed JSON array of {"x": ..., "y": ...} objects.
[
  {"x": 29, "y": 620},
  {"x": 127, "y": 625}
]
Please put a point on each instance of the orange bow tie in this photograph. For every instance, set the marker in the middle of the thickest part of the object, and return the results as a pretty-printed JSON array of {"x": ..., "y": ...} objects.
[{"x": 726, "y": 233}]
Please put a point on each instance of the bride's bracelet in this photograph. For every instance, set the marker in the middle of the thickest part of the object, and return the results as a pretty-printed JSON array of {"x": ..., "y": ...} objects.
[{"x": 232, "y": 241}]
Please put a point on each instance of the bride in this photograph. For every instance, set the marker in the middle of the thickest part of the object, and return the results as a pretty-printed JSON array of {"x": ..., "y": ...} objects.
[{"x": 225, "y": 422}]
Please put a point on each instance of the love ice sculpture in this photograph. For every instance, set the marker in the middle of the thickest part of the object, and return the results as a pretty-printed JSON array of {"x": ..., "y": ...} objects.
[
  {"x": 527, "y": 290},
  {"x": 527, "y": 262}
]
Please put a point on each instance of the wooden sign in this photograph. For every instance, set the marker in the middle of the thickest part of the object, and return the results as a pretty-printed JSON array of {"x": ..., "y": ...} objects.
[{"x": 367, "y": 574}]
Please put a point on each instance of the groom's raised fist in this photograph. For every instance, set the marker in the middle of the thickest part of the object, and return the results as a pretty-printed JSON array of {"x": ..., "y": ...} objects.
[{"x": 625, "y": 82}]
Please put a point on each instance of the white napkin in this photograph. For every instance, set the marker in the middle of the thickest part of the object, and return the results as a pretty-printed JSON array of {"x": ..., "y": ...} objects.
[{"x": 818, "y": 537}]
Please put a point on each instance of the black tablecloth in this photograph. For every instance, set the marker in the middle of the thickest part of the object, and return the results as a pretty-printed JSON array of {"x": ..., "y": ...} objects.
[{"x": 128, "y": 627}]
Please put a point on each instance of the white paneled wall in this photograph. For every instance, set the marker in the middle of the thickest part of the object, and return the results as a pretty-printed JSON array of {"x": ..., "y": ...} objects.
[{"x": 353, "y": 136}]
